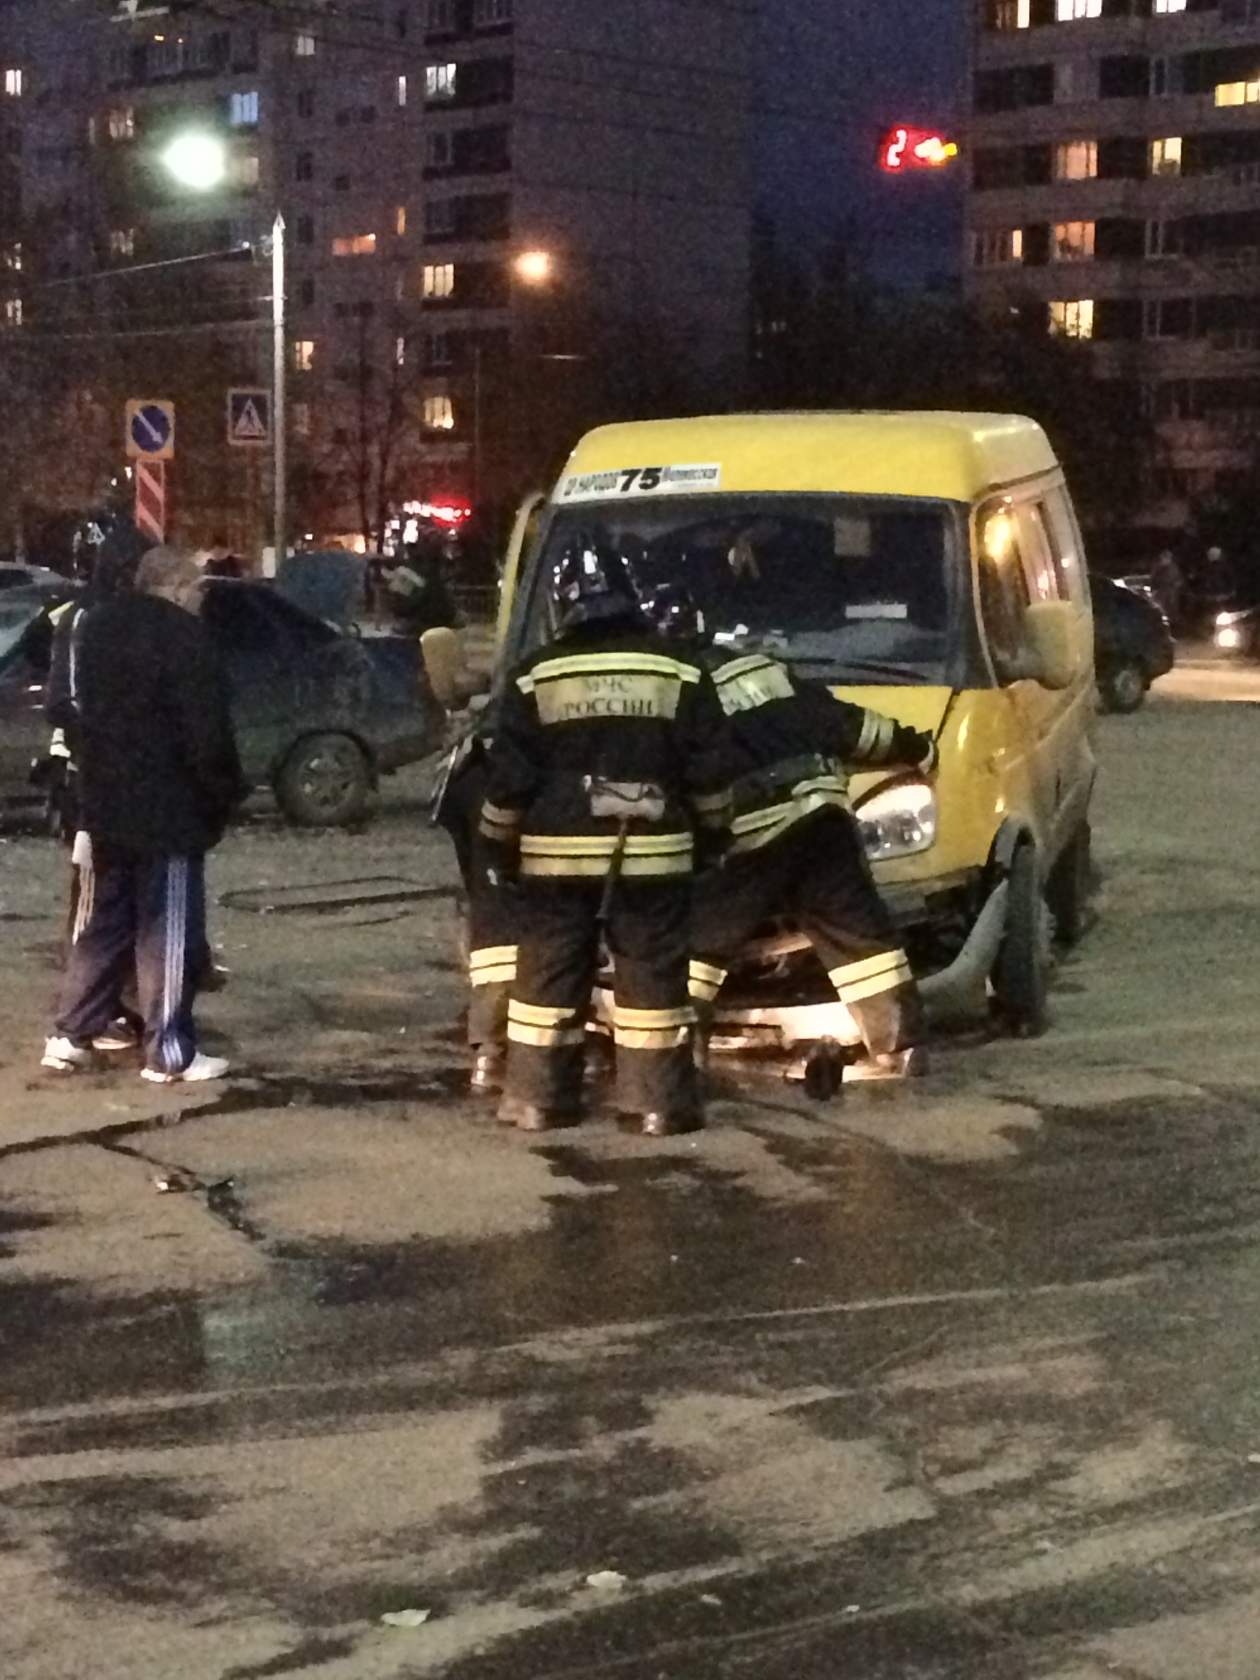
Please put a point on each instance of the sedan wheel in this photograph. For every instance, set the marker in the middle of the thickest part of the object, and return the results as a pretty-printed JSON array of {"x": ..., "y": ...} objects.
[
  {"x": 1122, "y": 686},
  {"x": 324, "y": 782}
]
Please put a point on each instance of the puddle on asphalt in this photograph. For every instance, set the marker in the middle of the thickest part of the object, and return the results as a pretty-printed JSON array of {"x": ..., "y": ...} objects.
[{"x": 670, "y": 1232}]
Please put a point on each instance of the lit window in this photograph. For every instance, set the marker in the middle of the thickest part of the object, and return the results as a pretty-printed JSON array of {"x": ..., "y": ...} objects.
[
  {"x": 1169, "y": 6},
  {"x": 439, "y": 416},
  {"x": 11, "y": 257},
  {"x": 302, "y": 419},
  {"x": 439, "y": 81},
  {"x": 13, "y": 83},
  {"x": 243, "y": 110},
  {"x": 441, "y": 16},
  {"x": 246, "y": 170},
  {"x": 1238, "y": 93},
  {"x": 121, "y": 123},
  {"x": 1074, "y": 319},
  {"x": 1166, "y": 156},
  {"x": 1077, "y": 160},
  {"x": 303, "y": 45},
  {"x": 13, "y": 312},
  {"x": 438, "y": 280},
  {"x": 355, "y": 245},
  {"x": 1068, "y": 10},
  {"x": 997, "y": 246},
  {"x": 400, "y": 220},
  {"x": 304, "y": 354},
  {"x": 488, "y": 12},
  {"x": 437, "y": 150},
  {"x": 122, "y": 242},
  {"x": 400, "y": 352},
  {"x": 1073, "y": 241},
  {"x": 402, "y": 90}
]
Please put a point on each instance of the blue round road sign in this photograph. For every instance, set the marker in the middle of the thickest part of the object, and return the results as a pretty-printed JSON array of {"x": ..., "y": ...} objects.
[{"x": 151, "y": 429}]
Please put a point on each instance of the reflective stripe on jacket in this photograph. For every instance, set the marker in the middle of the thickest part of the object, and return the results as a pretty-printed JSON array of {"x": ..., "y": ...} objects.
[
  {"x": 607, "y": 704},
  {"x": 793, "y": 742}
]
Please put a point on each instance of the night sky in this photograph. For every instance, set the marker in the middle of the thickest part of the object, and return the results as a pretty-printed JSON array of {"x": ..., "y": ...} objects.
[{"x": 856, "y": 67}]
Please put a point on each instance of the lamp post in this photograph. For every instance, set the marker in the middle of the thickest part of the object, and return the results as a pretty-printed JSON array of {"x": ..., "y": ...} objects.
[{"x": 199, "y": 160}]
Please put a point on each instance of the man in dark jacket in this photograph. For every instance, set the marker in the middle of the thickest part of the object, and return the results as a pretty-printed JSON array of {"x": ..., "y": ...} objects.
[
  {"x": 158, "y": 778},
  {"x": 795, "y": 848},
  {"x": 606, "y": 767}
]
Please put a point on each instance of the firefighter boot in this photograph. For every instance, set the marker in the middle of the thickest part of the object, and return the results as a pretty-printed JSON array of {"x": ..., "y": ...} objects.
[
  {"x": 533, "y": 1117},
  {"x": 488, "y": 1068},
  {"x": 892, "y": 1027}
]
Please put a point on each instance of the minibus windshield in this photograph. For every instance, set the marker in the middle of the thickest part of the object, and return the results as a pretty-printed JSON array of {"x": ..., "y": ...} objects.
[{"x": 845, "y": 588}]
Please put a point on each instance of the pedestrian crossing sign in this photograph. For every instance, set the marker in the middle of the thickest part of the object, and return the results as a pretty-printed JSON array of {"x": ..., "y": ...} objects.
[{"x": 249, "y": 419}]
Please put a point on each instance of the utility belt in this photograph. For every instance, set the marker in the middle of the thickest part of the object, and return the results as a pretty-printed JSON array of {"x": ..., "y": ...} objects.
[{"x": 775, "y": 781}]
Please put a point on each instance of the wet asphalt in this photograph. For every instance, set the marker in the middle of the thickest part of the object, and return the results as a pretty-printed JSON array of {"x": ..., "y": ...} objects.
[{"x": 956, "y": 1382}]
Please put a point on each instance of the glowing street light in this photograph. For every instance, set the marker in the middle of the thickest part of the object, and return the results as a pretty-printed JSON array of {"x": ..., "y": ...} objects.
[
  {"x": 197, "y": 161},
  {"x": 535, "y": 268}
]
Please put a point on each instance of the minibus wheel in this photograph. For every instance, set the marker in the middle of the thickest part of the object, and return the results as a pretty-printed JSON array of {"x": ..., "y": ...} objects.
[{"x": 1019, "y": 974}]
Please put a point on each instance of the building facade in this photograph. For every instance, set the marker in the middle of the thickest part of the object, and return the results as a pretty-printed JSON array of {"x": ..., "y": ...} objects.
[
  {"x": 1115, "y": 198},
  {"x": 493, "y": 210}
]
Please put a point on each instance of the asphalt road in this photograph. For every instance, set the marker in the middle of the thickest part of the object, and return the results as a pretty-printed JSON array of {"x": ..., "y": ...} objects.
[{"x": 959, "y": 1382}]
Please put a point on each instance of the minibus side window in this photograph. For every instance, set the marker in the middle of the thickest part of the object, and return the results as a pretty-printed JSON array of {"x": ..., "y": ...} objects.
[
  {"x": 1037, "y": 554},
  {"x": 1003, "y": 602},
  {"x": 1065, "y": 546}
]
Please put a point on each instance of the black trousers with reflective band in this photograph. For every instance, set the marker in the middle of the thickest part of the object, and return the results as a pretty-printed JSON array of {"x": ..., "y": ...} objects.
[
  {"x": 818, "y": 875},
  {"x": 647, "y": 934},
  {"x": 492, "y": 927}
]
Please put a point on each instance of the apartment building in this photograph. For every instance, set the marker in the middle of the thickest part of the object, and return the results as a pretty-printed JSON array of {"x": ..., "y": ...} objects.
[
  {"x": 1115, "y": 197},
  {"x": 479, "y": 196}
]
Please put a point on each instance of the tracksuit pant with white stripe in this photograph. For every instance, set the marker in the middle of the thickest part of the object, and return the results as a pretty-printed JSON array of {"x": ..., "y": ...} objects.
[
  {"x": 646, "y": 932},
  {"x": 149, "y": 910},
  {"x": 817, "y": 874}
]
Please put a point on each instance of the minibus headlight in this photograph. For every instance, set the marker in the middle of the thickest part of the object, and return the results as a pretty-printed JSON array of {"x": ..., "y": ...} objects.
[{"x": 898, "y": 821}]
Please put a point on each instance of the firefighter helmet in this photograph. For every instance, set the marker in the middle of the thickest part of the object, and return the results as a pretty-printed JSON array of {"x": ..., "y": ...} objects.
[
  {"x": 589, "y": 582},
  {"x": 671, "y": 610}
]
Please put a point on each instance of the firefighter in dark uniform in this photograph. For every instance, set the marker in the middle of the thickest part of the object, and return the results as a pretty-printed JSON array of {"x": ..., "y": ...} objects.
[
  {"x": 607, "y": 766},
  {"x": 492, "y": 914},
  {"x": 795, "y": 849}
]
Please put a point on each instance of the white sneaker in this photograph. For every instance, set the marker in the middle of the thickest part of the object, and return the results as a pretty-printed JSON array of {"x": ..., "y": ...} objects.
[
  {"x": 200, "y": 1068},
  {"x": 63, "y": 1055}
]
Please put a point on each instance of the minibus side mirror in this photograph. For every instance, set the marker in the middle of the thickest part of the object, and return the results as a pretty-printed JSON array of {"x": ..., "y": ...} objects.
[{"x": 1053, "y": 632}]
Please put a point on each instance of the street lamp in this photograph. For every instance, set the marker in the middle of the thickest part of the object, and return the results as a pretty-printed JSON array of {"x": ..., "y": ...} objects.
[
  {"x": 199, "y": 161},
  {"x": 535, "y": 268}
]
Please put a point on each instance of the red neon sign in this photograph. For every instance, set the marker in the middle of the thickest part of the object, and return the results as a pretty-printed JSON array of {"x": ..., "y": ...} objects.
[{"x": 915, "y": 148}]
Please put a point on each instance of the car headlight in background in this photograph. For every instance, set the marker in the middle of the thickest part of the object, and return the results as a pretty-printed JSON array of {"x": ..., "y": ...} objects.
[{"x": 898, "y": 821}]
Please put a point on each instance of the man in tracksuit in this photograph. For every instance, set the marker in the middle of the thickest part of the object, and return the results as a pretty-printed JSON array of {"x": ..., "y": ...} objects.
[
  {"x": 795, "y": 849},
  {"x": 607, "y": 762},
  {"x": 158, "y": 778}
]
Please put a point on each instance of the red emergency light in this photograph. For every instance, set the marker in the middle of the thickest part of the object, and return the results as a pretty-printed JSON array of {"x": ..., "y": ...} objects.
[{"x": 915, "y": 148}]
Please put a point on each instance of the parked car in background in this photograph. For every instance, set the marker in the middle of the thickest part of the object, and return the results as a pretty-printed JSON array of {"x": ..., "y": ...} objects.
[
  {"x": 17, "y": 574},
  {"x": 319, "y": 717},
  {"x": 1133, "y": 644}
]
